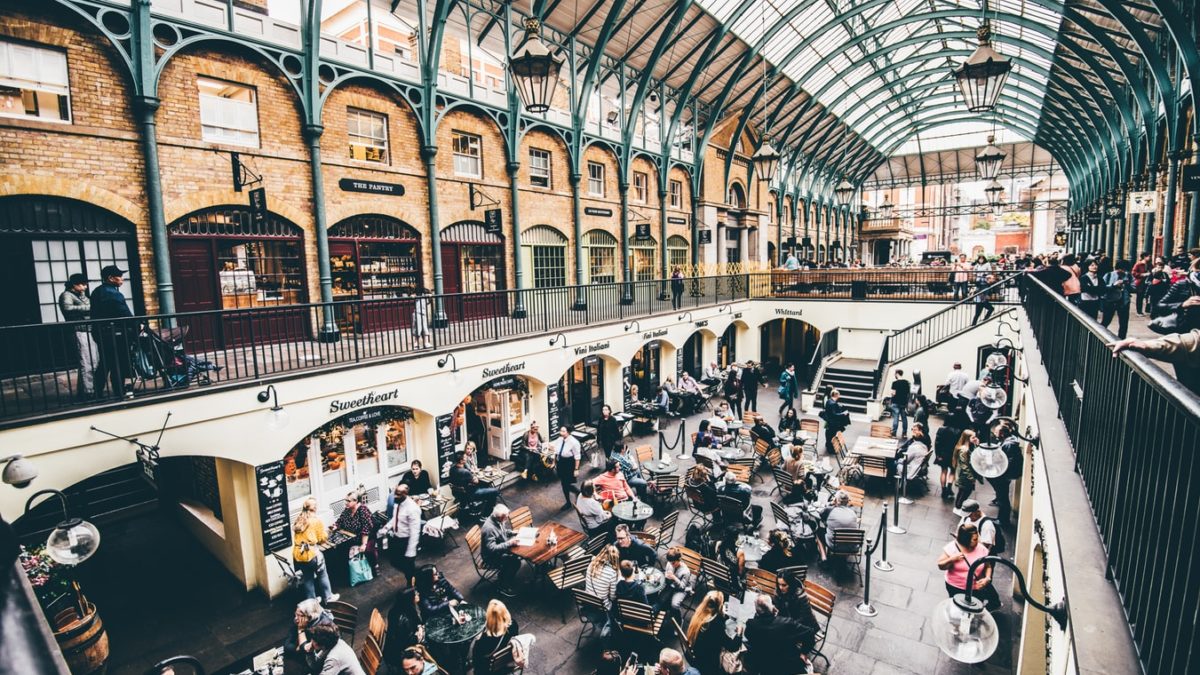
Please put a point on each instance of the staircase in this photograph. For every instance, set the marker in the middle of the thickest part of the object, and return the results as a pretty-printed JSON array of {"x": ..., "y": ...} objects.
[
  {"x": 107, "y": 497},
  {"x": 854, "y": 378}
]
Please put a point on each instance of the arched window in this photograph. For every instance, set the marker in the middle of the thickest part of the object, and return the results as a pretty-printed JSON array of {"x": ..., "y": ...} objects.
[
  {"x": 545, "y": 255},
  {"x": 678, "y": 252},
  {"x": 600, "y": 252},
  {"x": 643, "y": 261},
  {"x": 736, "y": 197}
]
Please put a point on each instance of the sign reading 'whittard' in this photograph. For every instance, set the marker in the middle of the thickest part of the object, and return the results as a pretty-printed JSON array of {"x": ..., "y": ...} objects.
[
  {"x": 371, "y": 398},
  {"x": 505, "y": 369}
]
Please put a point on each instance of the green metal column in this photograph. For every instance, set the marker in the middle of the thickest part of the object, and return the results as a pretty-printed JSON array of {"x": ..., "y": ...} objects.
[
  {"x": 147, "y": 107},
  {"x": 329, "y": 328},
  {"x": 626, "y": 275},
  {"x": 1169, "y": 205},
  {"x": 827, "y": 217},
  {"x": 577, "y": 228},
  {"x": 514, "y": 171},
  {"x": 779, "y": 257},
  {"x": 429, "y": 155},
  {"x": 662, "y": 240}
]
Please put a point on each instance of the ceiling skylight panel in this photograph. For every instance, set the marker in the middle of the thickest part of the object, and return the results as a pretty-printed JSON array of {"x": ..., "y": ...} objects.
[{"x": 721, "y": 9}]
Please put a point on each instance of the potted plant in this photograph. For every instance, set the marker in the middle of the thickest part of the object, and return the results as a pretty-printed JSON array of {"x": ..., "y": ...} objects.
[{"x": 49, "y": 579}]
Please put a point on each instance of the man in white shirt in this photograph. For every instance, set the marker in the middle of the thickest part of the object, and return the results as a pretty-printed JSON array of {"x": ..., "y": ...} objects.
[
  {"x": 987, "y": 527},
  {"x": 712, "y": 374},
  {"x": 567, "y": 454},
  {"x": 405, "y": 531},
  {"x": 955, "y": 382},
  {"x": 687, "y": 384}
]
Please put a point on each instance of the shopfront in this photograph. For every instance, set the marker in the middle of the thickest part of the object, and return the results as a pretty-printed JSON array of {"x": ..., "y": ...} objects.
[
  {"x": 495, "y": 416},
  {"x": 473, "y": 262},
  {"x": 369, "y": 447},
  {"x": 582, "y": 391},
  {"x": 678, "y": 253},
  {"x": 222, "y": 258},
  {"x": 643, "y": 259},
  {"x": 644, "y": 370},
  {"x": 374, "y": 257},
  {"x": 43, "y": 241},
  {"x": 690, "y": 359},
  {"x": 727, "y": 347}
]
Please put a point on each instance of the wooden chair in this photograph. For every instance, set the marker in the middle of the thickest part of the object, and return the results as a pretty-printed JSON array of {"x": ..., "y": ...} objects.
[
  {"x": 733, "y": 513},
  {"x": 700, "y": 508},
  {"x": 881, "y": 430},
  {"x": 475, "y": 544},
  {"x": 596, "y": 544},
  {"x": 345, "y": 617},
  {"x": 704, "y": 461},
  {"x": 761, "y": 448},
  {"x": 841, "y": 451},
  {"x": 797, "y": 572},
  {"x": 665, "y": 532},
  {"x": 738, "y": 472},
  {"x": 810, "y": 425},
  {"x": 783, "y": 521},
  {"x": 857, "y": 497},
  {"x": 665, "y": 489},
  {"x": 501, "y": 661},
  {"x": 521, "y": 517},
  {"x": 377, "y": 626},
  {"x": 774, "y": 458},
  {"x": 592, "y": 613},
  {"x": 762, "y": 581},
  {"x": 784, "y": 484},
  {"x": 822, "y": 600},
  {"x": 848, "y": 545},
  {"x": 874, "y": 467},
  {"x": 646, "y": 537},
  {"x": 691, "y": 559},
  {"x": 645, "y": 453},
  {"x": 635, "y": 617},
  {"x": 685, "y": 645},
  {"x": 370, "y": 656},
  {"x": 717, "y": 576}
]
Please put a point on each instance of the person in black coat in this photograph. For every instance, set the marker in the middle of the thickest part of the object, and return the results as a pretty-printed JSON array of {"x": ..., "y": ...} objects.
[
  {"x": 706, "y": 632},
  {"x": 404, "y": 628},
  {"x": 608, "y": 431},
  {"x": 1172, "y": 302},
  {"x": 750, "y": 381},
  {"x": 113, "y": 332},
  {"x": 629, "y": 588},
  {"x": 417, "y": 480},
  {"x": 499, "y": 630},
  {"x": 775, "y": 645},
  {"x": 837, "y": 418}
]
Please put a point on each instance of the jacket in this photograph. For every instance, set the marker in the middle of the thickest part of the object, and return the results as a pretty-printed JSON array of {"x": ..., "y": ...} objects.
[
  {"x": 496, "y": 536},
  {"x": 109, "y": 303},
  {"x": 75, "y": 307},
  {"x": 708, "y": 645},
  {"x": 608, "y": 432},
  {"x": 341, "y": 661},
  {"x": 1172, "y": 302},
  {"x": 773, "y": 644}
]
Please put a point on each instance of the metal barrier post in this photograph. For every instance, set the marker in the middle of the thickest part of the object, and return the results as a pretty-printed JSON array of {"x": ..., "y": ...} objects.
[
  {"x": 865, "y": 608},
  {"x": 895, "y": 528},
  {"x": 883, "y": 565},
  {"x": 683, "y": 453}
]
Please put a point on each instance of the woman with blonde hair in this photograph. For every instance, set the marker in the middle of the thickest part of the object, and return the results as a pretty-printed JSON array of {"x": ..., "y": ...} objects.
[
  {"x": 964, "y": 474},
  {"x": 601, "y": 580},
  {"x": 706, "y": 633},
  {"x": 500, "y": 629},
  {"x": 308, "y": 534}
]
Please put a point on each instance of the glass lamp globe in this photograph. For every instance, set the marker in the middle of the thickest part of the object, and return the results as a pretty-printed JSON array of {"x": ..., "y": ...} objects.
[
  {"x": 992, "y": 396},
  {"x": 989, "y": 461},
  {"x": 72, "y": 541},
  {"x": 277, "y": 418},
  {"x": 965, "y": 635}
]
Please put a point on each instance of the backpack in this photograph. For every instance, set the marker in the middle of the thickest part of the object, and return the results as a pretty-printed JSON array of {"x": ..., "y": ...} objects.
[
  {"x": 694, "y": 537},
  {"x": 1001, "y": 544}
]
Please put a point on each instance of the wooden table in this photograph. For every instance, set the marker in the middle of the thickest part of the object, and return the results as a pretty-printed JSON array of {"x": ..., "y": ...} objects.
[
  {"x": 883, "y": 448},
  {"x": 540, "y": 553}
]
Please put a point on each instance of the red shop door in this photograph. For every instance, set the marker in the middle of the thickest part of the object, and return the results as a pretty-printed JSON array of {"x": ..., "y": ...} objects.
[{"x": 196, "y": 291}]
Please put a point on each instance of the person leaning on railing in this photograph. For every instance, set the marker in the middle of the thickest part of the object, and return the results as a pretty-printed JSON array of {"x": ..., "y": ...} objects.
[{"x": 1181, "y": 349}]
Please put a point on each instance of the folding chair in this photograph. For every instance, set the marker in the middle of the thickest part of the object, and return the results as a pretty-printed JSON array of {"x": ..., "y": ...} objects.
[
  {"x": 881, "y": 430},
  {"x": 665, "y": 532},
  {"x": 739, "y": 472},
  {"x": 475, "y": 544},
  {"x": 345, "y": 617},
  {"x": 377, "y": 626},
  {"x": 665, "y": 489},
  {"x": 848, "y": 545},
  {"x": 592, "y": 613},
  {"x": 685, "y": 645},
  {"x": 874, "y": 467},
  {"x": 857, "y": 497},
  {"x": 784, "y": 484},
  {"x": 570, "y": 574},
  {"x": 783, "y": 521},
  {"x": 521, "y": 517},
  {"x": 635, "y": 617},
  {"x": 370, "y": 656},
  {"x": 501, "y": 661},
  {"x": 700, "y": 508},
  {"x": 762, "y": 581},
  {"x": 821, "y": 599},
  {"x": 717, "y": 576},
  {"x": 733, "y": 513},
  {"x": 798, "y": 573}
]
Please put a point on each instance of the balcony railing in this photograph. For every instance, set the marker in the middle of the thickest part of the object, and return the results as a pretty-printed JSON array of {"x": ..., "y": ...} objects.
[
  {"x": 1135, "y": 431},
  {"x": 160, "y": 355}
]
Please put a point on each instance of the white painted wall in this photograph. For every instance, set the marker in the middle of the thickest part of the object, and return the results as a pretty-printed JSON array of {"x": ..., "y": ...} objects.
[{"x": 862, "y": 343}]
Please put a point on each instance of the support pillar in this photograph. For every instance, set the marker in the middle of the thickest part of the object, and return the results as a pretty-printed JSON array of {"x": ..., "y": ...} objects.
[
  {"x": 329, "y": 329},
  {"x": 662, "y": 241},
  {"x": 1169, "y": 205},
  {"x": 514, "y": 189},
  {"x": 147, "y": 108},
  {"x": 626, "y": 276},
  {"x": 577, "y": 228},
  {"x": 429, "y": 155}
]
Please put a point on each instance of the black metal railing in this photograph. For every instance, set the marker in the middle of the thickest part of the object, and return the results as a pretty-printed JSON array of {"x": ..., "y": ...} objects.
[
  {"x": 894, "y": 284},
  {"x": 1135, "y": 431},
  {"x": 827, "y": 345},
  {"x": 946, "y": 323}
]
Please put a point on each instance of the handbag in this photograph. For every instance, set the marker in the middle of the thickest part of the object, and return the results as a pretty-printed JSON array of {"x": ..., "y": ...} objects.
[
  {"x": 360, "y": 570},
  {"x": 731, "y": 662}
]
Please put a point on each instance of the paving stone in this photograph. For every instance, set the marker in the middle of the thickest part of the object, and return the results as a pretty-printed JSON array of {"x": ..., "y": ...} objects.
[{"x": 899, "y": 651}]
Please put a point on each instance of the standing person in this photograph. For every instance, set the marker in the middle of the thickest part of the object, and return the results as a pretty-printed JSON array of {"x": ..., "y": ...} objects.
[
  {"x": 962, "y": 277},
  {"x": 787, "y": 388},
  {"x": 750, "y": 381},
  {"x": 1091, "y": 290},
  {"x": 308, "y": 533},
  {"x": 1158, "y": 283},
  {"x": 1141, "y": 273},
  {"x": 964, "y": 473},
  {"x": 1182, "y": 349},
  {"x": 733, "y": 391},
  {"x": 943, "y": 453},
  {"x": 405, "y": 528},
  {"x": 75, "y": 305},
  {"x": 1070, "y": 283},
  {"x": 356, "y": 518},
  {"x": 982, "y": 300},
  {"x": 1116, "y": 298},
  {"x": 420, "y": 320},
  {"x": 837, "y": 418},
  {"x": 113, "y": 332},
  {"x": 608, "y": 431},
  {"x": 956, "y": 560},
  {"x": 676, "y": 288},
  {"x": 956, "y": 381},
  {"x": 901, "y": 390},
  {"x": 566, "y": 458}
]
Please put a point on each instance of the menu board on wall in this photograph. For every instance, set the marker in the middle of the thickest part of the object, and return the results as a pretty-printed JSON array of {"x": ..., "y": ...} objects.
[
  {"x": 678, "y": 365},
  {"x": 445, "y": 443},
  {"x": 625, "y": 381},
  {"x": 273, "y": 506},
  {"x": 554, "y": 409}
]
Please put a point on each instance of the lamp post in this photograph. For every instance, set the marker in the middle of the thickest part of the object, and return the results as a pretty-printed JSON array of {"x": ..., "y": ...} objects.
[
  {"x": 982, "y": 76},
  {"x": 965, "y": 630},
  {"x": 534, "y": 69}
]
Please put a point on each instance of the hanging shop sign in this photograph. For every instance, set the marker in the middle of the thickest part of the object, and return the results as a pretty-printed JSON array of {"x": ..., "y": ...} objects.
[
  {"x": 641, "y": 231},
  {"x": 371, "y": 187},
  {"x": 675, "y": 220},
  {"x": 678, "y": 364},
  {"x": 370, "y": 398},
  {"x": 627, "y": 398},
  {"x": 273, "y": 506},
  {"x": 1060, "y": 238},
  {"x": 553, "y": 409},
  {"x": 1189, "y": 178},
  {"x": 705, "y": 236},
  {"x": 596, "y": 211},
  {"x": 493, "y": 221},
  {"x": 1094, "y": 218},
  {"x": 1145, "y": 201},
  {"x": 502, "y": 370},
  {"x": 258, "y": 206},
  {"x": 445, "y": 443}
]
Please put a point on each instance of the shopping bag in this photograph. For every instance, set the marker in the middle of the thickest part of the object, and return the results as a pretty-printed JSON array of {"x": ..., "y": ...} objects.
[{"x": 360, "y": 570}]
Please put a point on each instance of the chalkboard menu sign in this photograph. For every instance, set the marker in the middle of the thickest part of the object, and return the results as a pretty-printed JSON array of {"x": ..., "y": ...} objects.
[
  {"x": 678, "y": 364},
  {"x": 445, "y": 443},
  {"x": 625, "y": 380},
  {"x": 554, "y": 409},
  {"x": 273, "y": 506}
]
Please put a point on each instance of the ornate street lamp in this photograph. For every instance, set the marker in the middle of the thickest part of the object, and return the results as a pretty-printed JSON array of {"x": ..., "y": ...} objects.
[
  {"x": 534, "y": 70},
  {"x": 766, "y": 161},
  {"x": 983, "y": 74},
  {"x": 966, "y": 631},
  {"x": 988, "y": 161},
  {"x": 993, "y": 191},
  {"x": 843, "y": 192},
  {"x": 886, "y": 208}
]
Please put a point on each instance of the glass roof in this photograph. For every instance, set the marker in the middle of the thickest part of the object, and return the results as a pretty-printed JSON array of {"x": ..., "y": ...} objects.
[{"x": 809, "y": 41}]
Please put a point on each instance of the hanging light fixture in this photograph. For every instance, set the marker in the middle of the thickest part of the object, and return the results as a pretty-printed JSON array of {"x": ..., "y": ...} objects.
[
  {"x": 993, "y": 192},
  {"x": 73, "y": 540},
  {"x": 534, "y": 69},
  {"x": 843, "y": 192},
  {"x": 983, "y": 74},
  {"x": 766, "y": 158},
  {"x": 886, "y": 208},
  {"x": 988, "y": 161}
]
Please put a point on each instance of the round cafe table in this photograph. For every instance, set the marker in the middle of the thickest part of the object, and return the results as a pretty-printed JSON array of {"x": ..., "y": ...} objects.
[
  {"x": 653, "y": 580},
  {"x": 453, "y": 638},
  {"x": 632, "y": 511},
  {"x": 728, "y": 453},
  {"x": 659, "y": 467}
]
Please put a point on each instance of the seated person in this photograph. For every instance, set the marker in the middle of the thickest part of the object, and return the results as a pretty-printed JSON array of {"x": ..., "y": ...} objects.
[
  {"x": 331, "y": 654},
  {"x": 499, "y": 630},
  {"x": 626, "y": 459},
  {"x": 309, "y": 614},
  {"x": 911, "y": 452},
  {"x": 498, "y": 539},
  {"x": 752, "y": 513},
  {"x": 629, "y": 588},
  {"x": 631, "y": 548},
  {"x": 780, "y": 554},
  {"x": 722, "y": 411},
  {"x": 417, "y": 480},
  {"x": 689, "y": 392},
  {"x": 789, "y": 424},
  {"x": 791, "y": 599},
  {"x": 416, "y": 661},
  {"x": 533, "y": 451},
  {"x": 763, "y": 430},
  {"x": 774, "y": 642},
  {"x": 727, "y": 551},
  {"x": 680, "y": 582},
  {"x": 838, "y": 516},
  {"x": 670, "y": 662},
  {"x": 704, "y": 437},
  {"x": 472, "y": 455},
  {"x": 662, "y": 400},
  {"x": 611, "y": 485},
  {"x": 437, "y": 595},
  {"x": 404, "y": 628},
  {"x": 591, "y": 513},
  {"x": 711, "y": 374},
  {"x": 462, "y": 479}
]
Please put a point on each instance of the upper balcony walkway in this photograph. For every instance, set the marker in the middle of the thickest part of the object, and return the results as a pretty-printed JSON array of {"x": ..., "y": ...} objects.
[{"x": 168, "y": 355}]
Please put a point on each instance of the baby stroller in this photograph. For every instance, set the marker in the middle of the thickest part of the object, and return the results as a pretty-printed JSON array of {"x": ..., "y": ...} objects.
[{"x": 158, "y": 354}]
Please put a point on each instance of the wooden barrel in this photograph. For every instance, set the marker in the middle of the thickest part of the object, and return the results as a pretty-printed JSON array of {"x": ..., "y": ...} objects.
[{"x": 83, "y": 641}]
